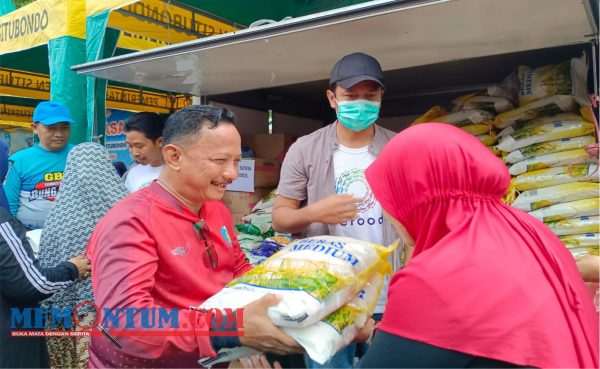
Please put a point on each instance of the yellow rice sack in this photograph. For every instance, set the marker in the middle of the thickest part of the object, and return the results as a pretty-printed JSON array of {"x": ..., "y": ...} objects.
[
  {"x": 466, "y": 117},
  {"x": 566, "y": 78},
  {"x": 487, "y": 139},
  {"x": 476, "y": 101},
  {"x": 555, "y": 176},
  {"x": 430, "y": 115},
  {"x": 548, "y": 161},
  {"x": 550, "y": 147},
  {"x": 580, "y": 240},
  {"x": 583, "y": 251},
  {"x": 580, "y": 225},
  {"x": 495, "y": 150},
  {"x": 539, "y": 121},
  {"x": 315, "y": 276},
  {"x": 548, "y": 106},
  {"x": 477, "y": 129},
  {"x": 326, "y": 337},
  {"x": 547, "y": 196},
  {"x": 323, "y": 339},
  {"x": 544, "y": 133},
  {"x": 566, "y": 210}
]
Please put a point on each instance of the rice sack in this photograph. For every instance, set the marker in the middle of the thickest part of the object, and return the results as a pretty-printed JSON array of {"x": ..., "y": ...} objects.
[
  {"x": 315, "y": 276},
  {"x": 580, "y": 225},
  {"x": 565, "y": 210},
  {"x": 550, "y": 147},
  {"x": 547, "y": 196}
]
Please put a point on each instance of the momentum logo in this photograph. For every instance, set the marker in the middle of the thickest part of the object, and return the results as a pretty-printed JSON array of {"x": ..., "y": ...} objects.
[{"x": 126, "y": 321}]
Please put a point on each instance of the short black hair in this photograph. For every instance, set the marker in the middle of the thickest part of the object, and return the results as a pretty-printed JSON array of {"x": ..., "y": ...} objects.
[
  {"x": 150, "y": 124},
  {"x": 187, "y": 123}
]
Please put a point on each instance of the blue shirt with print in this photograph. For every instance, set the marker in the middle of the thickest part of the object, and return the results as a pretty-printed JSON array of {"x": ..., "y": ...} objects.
[{"x": 32, "y": 182}]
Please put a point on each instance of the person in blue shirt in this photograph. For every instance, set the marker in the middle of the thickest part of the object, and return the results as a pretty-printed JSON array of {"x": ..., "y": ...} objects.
[
  {"x": 35, "y": 173},
  {"x": 4, "y": 151}
]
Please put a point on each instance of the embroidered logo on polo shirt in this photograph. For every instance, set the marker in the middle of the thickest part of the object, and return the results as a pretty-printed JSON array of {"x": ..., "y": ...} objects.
[
  {"x": 225, "y": 235},
  {"x": 181, "y": 250}
]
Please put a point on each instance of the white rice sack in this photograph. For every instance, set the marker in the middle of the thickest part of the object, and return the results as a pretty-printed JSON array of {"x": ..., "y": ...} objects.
[
  {"x": 546, "y": 132},
  {"x": 547, "y": 196},
  {"x": 548, "y": 106},
  {"x": 315, "y": 276},
  {"x": 566, "y": 78},
  {"x": 539, "y": 121},
  {"x": 587, "y": 172},
  {"x": 579, "y": 225},
  {"x": 466, "y": 117},
  {"x": 566, "y": 210},
  {"x": 581, "y": 240},
  {"x": 491, "y": 103},
  {"x": 323, "y": 339},
  {"x": 266, "y": 203},
  {"x": 547, "y": 161},
  {"x": 550, "y": 147}
]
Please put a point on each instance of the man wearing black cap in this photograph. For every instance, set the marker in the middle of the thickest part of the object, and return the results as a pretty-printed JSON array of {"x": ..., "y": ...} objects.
[{"x": 322, "y": 190}]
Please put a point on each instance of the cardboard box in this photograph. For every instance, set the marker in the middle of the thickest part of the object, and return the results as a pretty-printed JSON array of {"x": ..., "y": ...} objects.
[
  {"x": 266, "y": 172},
  {"x": 273, "y": 146},
  {"x": 243, "y": 202}
]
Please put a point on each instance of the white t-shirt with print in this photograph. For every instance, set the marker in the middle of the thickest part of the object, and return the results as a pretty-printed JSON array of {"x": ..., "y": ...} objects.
[
  {"x": 140, "y": 176},
  {"x": 349, "y": 166}
]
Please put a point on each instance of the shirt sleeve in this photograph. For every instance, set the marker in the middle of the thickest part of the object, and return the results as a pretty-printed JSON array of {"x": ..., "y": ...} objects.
[
  {"x": 293, "y": 179},
  {"x": 12, "y": 187},
  {"x": 123, "y": 270},
  {"x": 22, "y": 279}
]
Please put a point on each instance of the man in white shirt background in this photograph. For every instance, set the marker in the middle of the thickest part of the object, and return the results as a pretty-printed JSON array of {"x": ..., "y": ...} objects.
[{"x": 143, "y": 133}]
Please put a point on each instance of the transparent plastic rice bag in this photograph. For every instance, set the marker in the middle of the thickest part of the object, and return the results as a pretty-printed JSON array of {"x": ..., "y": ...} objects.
[
  {"x": 466, "y": 117},
  {"x": 550, "y": 147},
  {"x": 487, "y": 139},
  {"x": 477, "y": 129},
  {"x": 581, "y": 240},
  {"x": 565, "y": 78},
  {"x": 579, "y": 225},
  {"x": 565, "y": 117},
  {"x": 476, "y": 101},
  {"x": 323, "y": 339},
  {"x": 547, "y": 106},
  {"x": 566, "y": 210},
  {"x": 555, "y": 176},
  {"x": 548, "y": 161},
  {"x": 544, "y": 133},
  {"x": 315, "y": 276},
  {"x": 547, "y": 196}
]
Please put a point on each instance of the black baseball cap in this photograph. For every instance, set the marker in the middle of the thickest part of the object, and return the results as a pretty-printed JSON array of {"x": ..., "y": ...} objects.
[{"x": 355, "y": 68}]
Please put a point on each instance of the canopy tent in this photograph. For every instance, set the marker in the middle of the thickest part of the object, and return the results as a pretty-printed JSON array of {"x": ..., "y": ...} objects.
[
  {"x": 49, "y": 36},
  {"x": 286, "y": 65}
]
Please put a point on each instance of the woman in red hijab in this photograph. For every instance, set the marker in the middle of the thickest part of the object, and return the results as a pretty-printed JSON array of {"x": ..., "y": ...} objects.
[{"x": 488, "y": 285}]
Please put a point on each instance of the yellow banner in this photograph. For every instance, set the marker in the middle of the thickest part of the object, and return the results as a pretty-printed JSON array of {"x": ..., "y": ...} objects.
[
  {"x": 37, "y": 23},
  {"x": 25, "y": 84},
  {"x": 37, "y": 86},
  {"x": 163, "y": 24},
  {"x": 96, "y": 6},
  {"x": 16, "y": 113},
  {"x": 133, "y": 41}
]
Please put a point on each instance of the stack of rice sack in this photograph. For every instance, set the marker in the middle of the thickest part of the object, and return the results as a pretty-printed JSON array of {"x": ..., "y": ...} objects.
[
  {"x": 329, "y": 288},
  {"x": 545, "y": 141},
  {"x": 257, "y": 229},
  {"x": 475, "y": 113}
]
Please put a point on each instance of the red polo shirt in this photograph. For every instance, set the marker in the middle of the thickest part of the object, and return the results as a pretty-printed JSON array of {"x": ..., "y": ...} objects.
[{"x": 146, "y": 254}]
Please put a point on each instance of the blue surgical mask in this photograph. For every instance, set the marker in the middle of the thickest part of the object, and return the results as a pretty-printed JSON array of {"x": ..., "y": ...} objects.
[{"x": 357, "y": 115}]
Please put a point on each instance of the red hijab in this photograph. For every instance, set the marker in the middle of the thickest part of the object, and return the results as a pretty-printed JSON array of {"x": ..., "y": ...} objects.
[{"x": 485, "y": 278}]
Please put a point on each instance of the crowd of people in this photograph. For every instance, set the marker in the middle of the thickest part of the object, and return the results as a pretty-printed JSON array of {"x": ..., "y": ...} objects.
[{"x": 480, "y": 284}]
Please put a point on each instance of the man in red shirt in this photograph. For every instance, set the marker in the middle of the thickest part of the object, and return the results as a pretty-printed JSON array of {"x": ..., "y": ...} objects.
[{"x": 171, "y": 245}]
